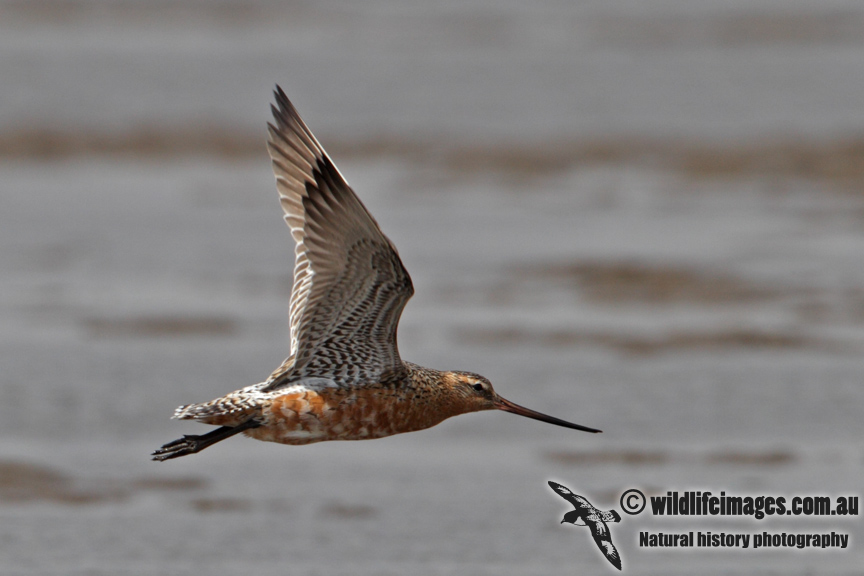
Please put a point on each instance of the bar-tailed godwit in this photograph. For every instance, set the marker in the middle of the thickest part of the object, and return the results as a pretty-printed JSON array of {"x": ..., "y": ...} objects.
[{"x": 344, "y": 379}]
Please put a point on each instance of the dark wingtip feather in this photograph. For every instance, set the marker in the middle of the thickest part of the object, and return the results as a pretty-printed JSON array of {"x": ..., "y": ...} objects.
[{"x": 285, "y": 105}]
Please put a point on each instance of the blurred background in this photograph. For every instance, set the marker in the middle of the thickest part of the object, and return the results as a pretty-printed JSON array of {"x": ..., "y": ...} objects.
[{"x": 644, "y": 216}]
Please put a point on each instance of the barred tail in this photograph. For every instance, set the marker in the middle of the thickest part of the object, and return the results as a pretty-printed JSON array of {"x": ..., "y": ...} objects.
[{"x": 229, "y": 410}]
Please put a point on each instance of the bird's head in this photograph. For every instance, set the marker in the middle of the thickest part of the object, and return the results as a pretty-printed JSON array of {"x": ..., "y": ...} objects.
[
  {"x": 475, "y": 393},
  {"x": 574, "y": 517}
]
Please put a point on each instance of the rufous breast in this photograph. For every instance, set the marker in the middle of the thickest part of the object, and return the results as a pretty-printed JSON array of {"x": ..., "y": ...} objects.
[{"x": 306, "y": 416}]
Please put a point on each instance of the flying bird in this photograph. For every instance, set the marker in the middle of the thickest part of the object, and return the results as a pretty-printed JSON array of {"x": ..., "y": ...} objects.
[
  {"x": 344, "y": 378},
  {"x": 585, "y": 514}
]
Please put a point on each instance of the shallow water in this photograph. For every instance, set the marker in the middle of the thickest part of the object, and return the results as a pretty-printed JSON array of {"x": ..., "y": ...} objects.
[{"x": 683, "y": 271}]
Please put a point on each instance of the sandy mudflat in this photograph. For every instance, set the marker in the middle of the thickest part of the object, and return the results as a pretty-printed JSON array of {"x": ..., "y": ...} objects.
[
  {"x": 730, "y": 364},
  {"x": 645, "y": 218}
]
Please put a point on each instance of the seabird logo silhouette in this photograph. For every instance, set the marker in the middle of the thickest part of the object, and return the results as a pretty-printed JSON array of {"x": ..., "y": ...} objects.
[{"x": 585, "y": 514}]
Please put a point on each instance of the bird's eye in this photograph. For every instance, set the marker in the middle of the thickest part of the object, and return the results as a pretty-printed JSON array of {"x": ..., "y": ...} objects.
[{"x": 478, "y": 387}]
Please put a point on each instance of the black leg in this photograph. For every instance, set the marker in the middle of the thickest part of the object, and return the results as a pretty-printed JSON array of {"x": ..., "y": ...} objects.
[{"x": 189, "y": 444}]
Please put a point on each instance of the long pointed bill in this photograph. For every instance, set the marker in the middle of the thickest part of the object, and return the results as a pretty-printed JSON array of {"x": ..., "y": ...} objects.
[{"x": 508, "y": 406}]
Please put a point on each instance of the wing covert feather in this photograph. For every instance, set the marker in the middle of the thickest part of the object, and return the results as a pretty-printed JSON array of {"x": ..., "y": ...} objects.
[{"x": 349, "y": 283}]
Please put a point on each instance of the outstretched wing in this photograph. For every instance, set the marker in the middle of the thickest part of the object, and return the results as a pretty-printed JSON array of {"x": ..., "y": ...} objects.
[
  {"x": 349, "y": 284},
  {"x": 603, "y": 538},
  {"x": 578, "y": 501}
]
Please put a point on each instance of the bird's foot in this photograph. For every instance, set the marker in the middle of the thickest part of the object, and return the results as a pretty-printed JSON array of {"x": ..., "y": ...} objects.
[{"x": 188, "y": 444}]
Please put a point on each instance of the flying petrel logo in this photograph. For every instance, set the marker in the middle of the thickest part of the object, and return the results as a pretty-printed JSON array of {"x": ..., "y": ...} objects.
[{"x": 585, "y": 514}]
